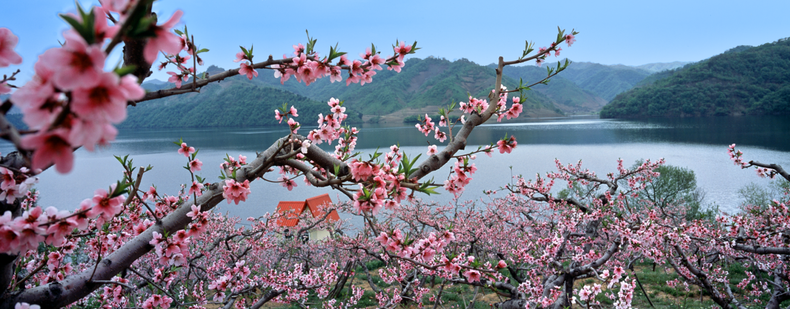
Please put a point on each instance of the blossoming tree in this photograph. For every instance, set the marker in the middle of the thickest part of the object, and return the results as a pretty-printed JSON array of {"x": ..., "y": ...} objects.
[{"x": 129, "y": 246}]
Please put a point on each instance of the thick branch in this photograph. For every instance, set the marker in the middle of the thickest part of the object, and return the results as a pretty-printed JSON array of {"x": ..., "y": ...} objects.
[
  {"x": 75, "y": 287},
  {"x": 762, "y": 250}
]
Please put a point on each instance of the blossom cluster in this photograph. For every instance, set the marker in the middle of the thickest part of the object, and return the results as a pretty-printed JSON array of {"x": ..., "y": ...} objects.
[
  {"x": 459, "y": 176},
  {"x": 735, "y": 156},
  {"x": 53, "y": 226},
  {"x": 307, "y": 66},
  {"x": 379, "y": 184},
  {"x": 423, "y": 249},
  {"x": 544, "y": 52},
  {"x": 7, "y": 54},
  {"x": 72, "y": 101}
]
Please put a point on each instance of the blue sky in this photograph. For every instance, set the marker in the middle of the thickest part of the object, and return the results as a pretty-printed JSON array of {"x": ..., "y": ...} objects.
[{"x": 611, "y": 32}]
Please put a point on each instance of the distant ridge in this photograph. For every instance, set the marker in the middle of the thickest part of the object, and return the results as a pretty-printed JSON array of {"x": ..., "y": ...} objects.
[
  {"x": 742, "y": 80},
  {"x": 662, "y": 66}
]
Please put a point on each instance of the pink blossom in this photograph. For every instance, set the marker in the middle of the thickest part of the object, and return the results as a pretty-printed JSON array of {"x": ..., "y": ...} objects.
[
  {"x": 195, "y": 165},
  {"x": 104, "y": 101},
  {"x": 186, "y": 150},
  {"x": 6, "y": 179},
  {"x": 334, "y": 74},
  {"x": 472, "y": 275},
  {"x": 570, "y": 39},
  {"x": 196, "y": 188},
  {"x": 507, "y": 145},
  {"x": 305, "y": 146},
  {"x": 89, "y": 133},
  {"x": 8, "y": 236},
  {"x": 247, "y": 70},
  {"x": 287, "y": 183},
  {"x": 61, "y": 228},
  {"x": 439, "y": 135},
  {"x": 164, "y": 40},
  {"x": 104, "y": 206},
  {"x": 37, "y": 99},
  {"x": 76, "y": 64},
  {"x": 132, "y": 90},
  {"x": 29, "y": 230},
  {"x": 402, "y": 50},
  {"x": 397, "y": 67},
  {"x": 177, "y": 78},
  {"x": 352, "y": 79},
  {"x": 50, "y": 147},
  {"x": 432, "y": 150},
  {"x": 7, "y": 43},
  {"x": 235, "y": 191},
  {"x": 293, "y": 125}
]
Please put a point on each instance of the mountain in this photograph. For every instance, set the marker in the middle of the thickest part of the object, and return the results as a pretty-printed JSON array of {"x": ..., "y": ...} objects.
[
  {"x": 565, "y": 94},
  {"x": 605, "y": 81},
  {"x": 423, "y": 86},
  {"x": 742, "y": 80},
  {"x": 231, "y": 103},
  {"x": 421, "y": 83},
  {"x": 661, "y": 66}
]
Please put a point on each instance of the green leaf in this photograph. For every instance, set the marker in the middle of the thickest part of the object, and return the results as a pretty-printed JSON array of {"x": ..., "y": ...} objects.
[
  {"x": 202, "y": 50},
  {"x": 120, "y": 160},
  {"x": 120, "y": 188},
  {"x": 81, "y": 29},
  {"x": 122, "y": 71},
  {"x": 178, "y": 32}
]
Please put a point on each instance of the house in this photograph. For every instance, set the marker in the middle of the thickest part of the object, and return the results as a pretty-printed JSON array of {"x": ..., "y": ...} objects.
[{"x": 290, "y": 211}]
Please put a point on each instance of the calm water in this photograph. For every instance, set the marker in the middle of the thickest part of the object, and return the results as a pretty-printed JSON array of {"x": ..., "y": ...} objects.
[{"x": 699, "y": 144}]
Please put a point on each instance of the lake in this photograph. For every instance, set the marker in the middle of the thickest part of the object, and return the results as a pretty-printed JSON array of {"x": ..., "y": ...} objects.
[{"x": 697, "y": 143}]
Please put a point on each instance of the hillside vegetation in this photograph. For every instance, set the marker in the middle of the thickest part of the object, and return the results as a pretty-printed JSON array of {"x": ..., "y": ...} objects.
[
  {"x": 743, "y": 80},
  {"x": 422, "y": 86},
  {"x": 227, "y": 104},
  {"x": 237, "y": 102},
  {"x": 605, "y": 81},
  {"x": 422, "y": 82},
  {"x": 565, "y": 94}
]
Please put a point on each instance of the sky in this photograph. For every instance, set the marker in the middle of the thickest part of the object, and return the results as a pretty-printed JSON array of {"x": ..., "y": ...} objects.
[{"x": 611, "y": 32}]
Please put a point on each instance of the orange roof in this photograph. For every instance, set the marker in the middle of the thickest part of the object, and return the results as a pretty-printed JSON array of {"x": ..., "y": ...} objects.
[
  {"x": 290, "y": 210},
  {"x": 289, "y": 213},
  {"x": 314, "y": 202}
]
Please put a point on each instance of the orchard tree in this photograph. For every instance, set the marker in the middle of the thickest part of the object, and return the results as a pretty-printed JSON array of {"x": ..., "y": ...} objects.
[{"x": 129, "y": 246}]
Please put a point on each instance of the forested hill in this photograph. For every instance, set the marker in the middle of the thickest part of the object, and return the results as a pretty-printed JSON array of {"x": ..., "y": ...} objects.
[
  {"x": 743, "y": 80},
  {"x": 422, "y": 82},
  {"x": 605, "y": 81},
  {"x": 429, "y": 82},
  {"x": 237, "y": 101},
  {"x": 234, "y": 103},
  {"x": 564, "y": 93}
]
